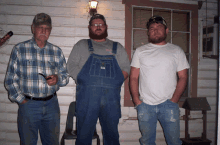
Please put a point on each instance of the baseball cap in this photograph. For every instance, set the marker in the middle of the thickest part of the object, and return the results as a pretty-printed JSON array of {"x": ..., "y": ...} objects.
[
  {"x": 97, "y": 16},
  {"x": 42, "y": 18},
  {"x": 156, "y": 19}
]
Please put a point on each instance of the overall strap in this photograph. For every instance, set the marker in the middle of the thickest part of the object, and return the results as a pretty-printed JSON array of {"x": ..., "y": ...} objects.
[
  {"x": 90, "y": 45},
  {"x": 114, "y": 49}
]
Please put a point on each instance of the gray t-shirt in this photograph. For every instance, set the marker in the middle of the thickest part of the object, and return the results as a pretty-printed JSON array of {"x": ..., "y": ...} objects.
[{"x": 80, "y": 53}]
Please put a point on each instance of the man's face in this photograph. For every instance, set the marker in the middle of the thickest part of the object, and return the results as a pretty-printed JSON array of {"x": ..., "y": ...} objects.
[
  {"x": 157, "y": 33},
  {"x": 41, "y": 32},
  {"x": 98, "y": 29}
]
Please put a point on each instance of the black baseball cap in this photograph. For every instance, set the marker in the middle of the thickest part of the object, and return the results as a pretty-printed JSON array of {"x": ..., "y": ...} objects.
[
  {"x": 156, "y": 19},
  {"x": 97, "y": 16}
]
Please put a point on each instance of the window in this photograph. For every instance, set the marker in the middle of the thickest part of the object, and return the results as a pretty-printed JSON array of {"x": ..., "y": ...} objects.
[
  {"x": 210, "y": 43},
  {"x": 178, "y": 23},
  {"x": 179, "y": 18}
]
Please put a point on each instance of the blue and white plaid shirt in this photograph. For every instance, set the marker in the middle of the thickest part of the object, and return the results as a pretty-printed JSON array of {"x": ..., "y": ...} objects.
[{"x": 26, "y": 62}]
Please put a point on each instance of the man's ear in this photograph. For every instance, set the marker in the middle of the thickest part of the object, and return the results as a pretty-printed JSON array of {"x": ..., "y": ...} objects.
[
  {"x": 167, "y": 30},
  {"x": 32, "y": 29}
]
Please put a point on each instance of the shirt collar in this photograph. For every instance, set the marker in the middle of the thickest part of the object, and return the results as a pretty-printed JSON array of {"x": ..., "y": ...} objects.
[{"x": 36, "y": 46}]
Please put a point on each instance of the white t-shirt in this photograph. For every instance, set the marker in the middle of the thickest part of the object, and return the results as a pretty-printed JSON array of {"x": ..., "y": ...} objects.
[{"x": 158, "y": 65}]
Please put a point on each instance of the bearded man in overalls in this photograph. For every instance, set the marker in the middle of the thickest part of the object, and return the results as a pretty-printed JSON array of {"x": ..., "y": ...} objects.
[{"x": 99, "y": 67}]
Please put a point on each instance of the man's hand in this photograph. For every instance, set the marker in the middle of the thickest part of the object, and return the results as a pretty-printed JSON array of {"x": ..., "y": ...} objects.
[
  {"x": 125, "y": 74},
  {"x": 137, "y": 102},
  {"x": 24, "y": 101},
  {"x": 53, "y": 80},
  {"x": 181, "y": 85}
]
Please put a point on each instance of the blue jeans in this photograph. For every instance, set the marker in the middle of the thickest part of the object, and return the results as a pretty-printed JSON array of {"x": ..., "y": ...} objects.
[
  {"x": 102, "y": 103},
  {"x": 42, "y": 116},
  {"x": 168, "y": 115}
]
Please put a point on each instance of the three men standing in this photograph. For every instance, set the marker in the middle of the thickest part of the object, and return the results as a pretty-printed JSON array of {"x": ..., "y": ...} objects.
[
  {"x": 154, "y": 70},
  {"x": 99, "y": 67}
]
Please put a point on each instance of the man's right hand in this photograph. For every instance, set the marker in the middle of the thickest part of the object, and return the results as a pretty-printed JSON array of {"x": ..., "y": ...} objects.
[
  {"x": 138, "y": 102},
  {"x": 24, "y": 101}
]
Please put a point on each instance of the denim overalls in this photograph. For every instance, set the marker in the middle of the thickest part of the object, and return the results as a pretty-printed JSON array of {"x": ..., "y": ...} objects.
[{"x": 98, "y": 96}]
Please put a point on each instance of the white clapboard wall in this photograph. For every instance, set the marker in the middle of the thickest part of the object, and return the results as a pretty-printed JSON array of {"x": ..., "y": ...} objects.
[{"x": 70, "y": 24}]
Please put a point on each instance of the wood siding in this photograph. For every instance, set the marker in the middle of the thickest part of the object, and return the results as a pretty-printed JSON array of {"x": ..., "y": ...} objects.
[{"x": 70, "y": 21}]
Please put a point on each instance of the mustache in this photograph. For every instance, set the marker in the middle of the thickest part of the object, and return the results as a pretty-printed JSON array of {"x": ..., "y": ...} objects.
[{"x": 43, "y": 35}]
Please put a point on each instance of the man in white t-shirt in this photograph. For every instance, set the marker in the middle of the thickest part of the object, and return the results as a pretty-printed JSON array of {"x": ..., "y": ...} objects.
[{"x": 158, "y": 77}]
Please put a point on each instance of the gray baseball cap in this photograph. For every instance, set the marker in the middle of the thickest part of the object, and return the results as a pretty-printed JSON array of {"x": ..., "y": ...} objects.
[
  {"x": 97, "y": 16},
  {"x": 41, "y": 19}
]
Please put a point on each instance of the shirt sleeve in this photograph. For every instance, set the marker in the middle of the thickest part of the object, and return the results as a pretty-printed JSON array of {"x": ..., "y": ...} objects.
[
  {"x": 73, "y": 62},
  {"x": 182, "y": 61},
  {"x": 12, "y": 78},
  {"x": 122, "y": 58},
  {"x": 63, "y": 76},
  {"x": 135, "y": 59}
]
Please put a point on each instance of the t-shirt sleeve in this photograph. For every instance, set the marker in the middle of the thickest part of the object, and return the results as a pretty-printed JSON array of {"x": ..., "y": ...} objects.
[
  {"x": 182, "y": 61},
  {"x": 135, "y": 59},
  {"x": 122, "y": 58},
  {"x": 73, "y": 61}
]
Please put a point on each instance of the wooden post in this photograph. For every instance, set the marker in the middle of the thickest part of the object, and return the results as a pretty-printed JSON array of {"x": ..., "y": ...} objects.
[
  {"x": 204, "y": 118},
  {"x": 187, "y": 113}
]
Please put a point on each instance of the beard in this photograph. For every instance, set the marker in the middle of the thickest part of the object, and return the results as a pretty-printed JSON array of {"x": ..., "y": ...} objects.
[
  {"x": 92, "y": 35},
  {"x": 158, "y": 39}
]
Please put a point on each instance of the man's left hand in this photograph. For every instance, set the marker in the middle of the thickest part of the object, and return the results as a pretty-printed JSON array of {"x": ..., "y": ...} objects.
[
  {"x": 53, "y": 80},
  {"x": 174, "y": 101}
]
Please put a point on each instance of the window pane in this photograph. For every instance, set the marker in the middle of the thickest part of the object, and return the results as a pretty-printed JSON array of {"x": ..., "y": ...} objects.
[
  {"x": 166, "y": 14},
  {"x": 209, "y": 46},
  {"x": 140, "y": 17},
  {"x": 182, "y": 40},
  {"x": 181, "y": 21},
  {"x": 140, "y": 38},
  {"x": 168, "y": 39}
]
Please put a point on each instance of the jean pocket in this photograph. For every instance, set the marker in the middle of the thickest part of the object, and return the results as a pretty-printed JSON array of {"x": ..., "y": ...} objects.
[
  {"x": 171, "y": 101},
  {"x": 172, "y": 104},
  {"x": 21, "y": 105},
  {"x": 138, "y": 106}
]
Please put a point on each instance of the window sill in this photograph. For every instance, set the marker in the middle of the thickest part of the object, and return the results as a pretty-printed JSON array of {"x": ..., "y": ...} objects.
[{"x": 211, "y": 56}]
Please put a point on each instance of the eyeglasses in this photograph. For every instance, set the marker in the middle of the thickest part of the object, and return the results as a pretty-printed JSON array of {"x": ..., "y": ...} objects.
[{"x": 96, "y": 25}]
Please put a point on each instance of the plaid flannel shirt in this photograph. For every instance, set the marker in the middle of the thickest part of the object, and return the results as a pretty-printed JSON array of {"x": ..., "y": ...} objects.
[{"x": 26, "y": 62}]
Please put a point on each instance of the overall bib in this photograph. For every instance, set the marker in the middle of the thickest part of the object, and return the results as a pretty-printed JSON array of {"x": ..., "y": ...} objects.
[{"x": 98, "y": 96}]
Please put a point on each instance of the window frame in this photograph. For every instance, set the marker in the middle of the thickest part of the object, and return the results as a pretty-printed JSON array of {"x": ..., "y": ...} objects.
[{"x": 193, "y": 38}]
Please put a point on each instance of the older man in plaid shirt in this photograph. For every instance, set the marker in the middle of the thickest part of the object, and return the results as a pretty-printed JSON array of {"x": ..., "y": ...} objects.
[{"x": 35, "y": 72}]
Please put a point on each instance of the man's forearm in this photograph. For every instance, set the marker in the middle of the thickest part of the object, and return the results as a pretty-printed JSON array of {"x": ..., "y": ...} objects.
[
  {"x": 134, "y": 88},
  {"x": 181, "y": 85}
]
